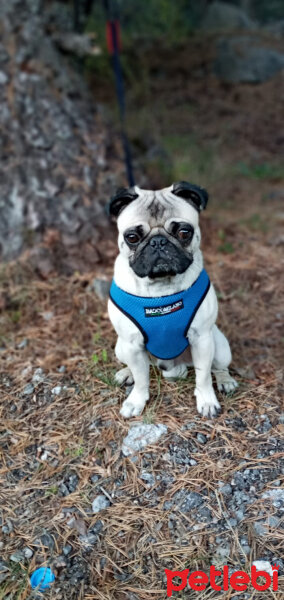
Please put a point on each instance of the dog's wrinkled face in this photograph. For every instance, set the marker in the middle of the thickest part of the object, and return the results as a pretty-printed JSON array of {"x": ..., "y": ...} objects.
[{"x": 158, "y": 230}]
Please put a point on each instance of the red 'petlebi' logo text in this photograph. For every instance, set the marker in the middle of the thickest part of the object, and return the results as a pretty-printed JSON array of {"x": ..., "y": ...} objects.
[{"x": 239, "y": 580}]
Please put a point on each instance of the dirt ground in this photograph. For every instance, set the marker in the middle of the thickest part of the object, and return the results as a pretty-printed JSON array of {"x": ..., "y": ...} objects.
[{"x": 61, "y": 432}]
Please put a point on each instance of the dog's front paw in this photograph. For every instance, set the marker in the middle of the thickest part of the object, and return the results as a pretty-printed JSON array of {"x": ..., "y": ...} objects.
[
  {"x": 124, "y": 376},
  {"x": 133, "y": 405},
  {"x": 225, "y": 383},
  {"x": 207, "y": 403}
]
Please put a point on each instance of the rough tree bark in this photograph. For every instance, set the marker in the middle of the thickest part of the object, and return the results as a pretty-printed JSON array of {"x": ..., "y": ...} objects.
[{"x": 55, "y": 173}]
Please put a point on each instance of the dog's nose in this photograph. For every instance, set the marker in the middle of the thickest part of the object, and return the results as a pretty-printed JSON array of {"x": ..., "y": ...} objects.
[{"x": 158, "y": 242}]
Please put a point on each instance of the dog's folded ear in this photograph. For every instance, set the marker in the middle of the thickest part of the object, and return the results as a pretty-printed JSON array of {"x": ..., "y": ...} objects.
[
  {"x": 120, "y": 200},
  {"x": 194, "y": 194}
]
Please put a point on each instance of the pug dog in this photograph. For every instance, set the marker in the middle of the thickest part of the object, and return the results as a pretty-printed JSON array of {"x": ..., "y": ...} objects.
[{"x": 162, "y": 304}]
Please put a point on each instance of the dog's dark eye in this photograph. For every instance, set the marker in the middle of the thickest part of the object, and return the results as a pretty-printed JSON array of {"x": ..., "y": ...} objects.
[
  {"x": 184, "y": 234},
  {"x": 132, "y": 237},
  {"x": 182, "y": 231}
]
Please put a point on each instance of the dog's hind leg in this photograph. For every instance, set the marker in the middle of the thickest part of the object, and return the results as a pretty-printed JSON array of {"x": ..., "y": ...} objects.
[
  {"x": 124, "y": 376},
  {"x": 171, "y": 370},
  {"x": 221, "y": 361}
]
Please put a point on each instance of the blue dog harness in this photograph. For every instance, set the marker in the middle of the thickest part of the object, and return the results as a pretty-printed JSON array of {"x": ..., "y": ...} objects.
[{"x": 163, "y": 321}]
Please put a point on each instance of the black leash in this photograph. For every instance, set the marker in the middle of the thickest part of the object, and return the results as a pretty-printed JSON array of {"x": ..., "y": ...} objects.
[{"x": 114, "y": 47}]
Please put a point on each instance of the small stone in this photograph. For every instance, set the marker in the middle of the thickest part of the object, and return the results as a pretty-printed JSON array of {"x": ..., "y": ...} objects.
[
  {"x": 95, "y": 478},
  {"x": 28, "y": 389},
  {"x": 17, "y": 557},
  {"x": 263, "y": 565},
  {"x": 61, "y": 369},
  {"x": 56, "y": 391},
  {"x": 223, "y": 551},
  {"x": 239, "y": 515},
  {"x": 38, "y": 376},
  {"x": 148, "y": 477},
  {"x": 88, "y": 540},
  {"x": 226, "y": 490},
  {"x": 23, "y": 344},
  {"x": 276, "y": 495},
  {"x": 3, "y": 78},
  {"x": 28, "y": 553},
  {"x": 281, "y": 419},
  {"x": 63, "y": 489},
  {"x": 67, "y": 549},
  {"x": 8, "y": 528},
  {"x": 201, "y": 438},
  {"x": 273, "y": 521},
  {"x": 100, "y": 503},
  {"x": 97, "y": 527},
  {"x": 47, "y": 316},
  {"x": 141, "y": 435},
  {"x": 60, "y": 562},
  {"x": 259, "y": 528},
  {"x": 192, "y": 500}
]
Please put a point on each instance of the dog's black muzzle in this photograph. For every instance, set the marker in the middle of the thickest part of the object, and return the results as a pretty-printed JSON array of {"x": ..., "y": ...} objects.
[{"x": 159, "y": 257}]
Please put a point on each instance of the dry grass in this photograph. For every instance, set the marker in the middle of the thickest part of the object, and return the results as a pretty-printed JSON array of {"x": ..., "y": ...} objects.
[{"x": 45, "y": 438}]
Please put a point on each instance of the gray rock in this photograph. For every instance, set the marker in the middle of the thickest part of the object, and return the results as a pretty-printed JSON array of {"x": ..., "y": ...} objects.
[
  {"x": 148, "y": 477},
  {"x": 3, "y": 566},
  {"x": 226, "y": 490},
  {"x": 28, "y": 553},
  {"x": 8, "y": 527},
  {"x": 100, "y": 503},
  {"x": 23, "y": 344},
  {"x": 56, "y": 391},
  {"x": 3, "y": 78},
  {"x": 281, "y": 419},
  {"x": 275, "y": 494},
  {"x": 38, "y": 376},
  {"x": 72, "y": 483},
  {"x": 17, "y": 557},
  {"x": 88, "y": 540},
  {"x": 97, "y": 527},
  {"x": 28, "y": 389},
  {"x": 259, "y": 528},
  {"x": 273, "y": 521},
  {"x": 101, "y": 287},
  {"x": 239, "y": 515},
  {"x": 67, "y": 549},
  {"x": 192, "y": 500},
  {"x": 46, "y": 540},
  {"x": 201, "y": 438},
  {"x": 223, "y": 551},
  {"x": 141, "y": 435},
  {"x": 60, "y": 562},
  {"x": 95, "y": 478},
  {"x": 222, "y": 16},
  {"x": 242, "y": 59}
]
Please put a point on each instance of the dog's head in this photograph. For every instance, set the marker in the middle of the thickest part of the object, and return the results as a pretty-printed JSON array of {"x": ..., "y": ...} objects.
[{"x": 159, "y": 231}]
